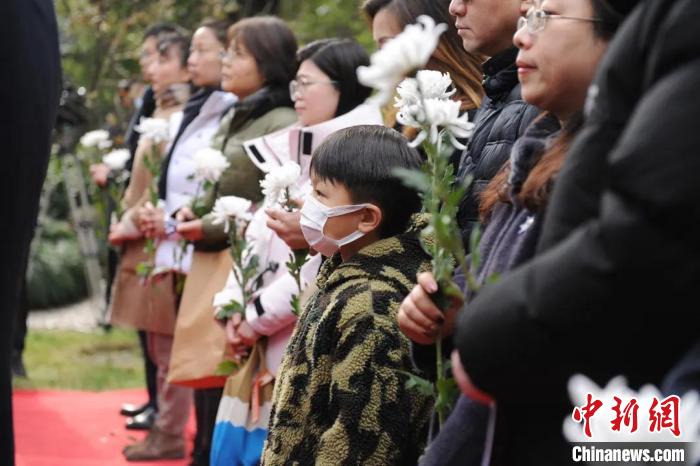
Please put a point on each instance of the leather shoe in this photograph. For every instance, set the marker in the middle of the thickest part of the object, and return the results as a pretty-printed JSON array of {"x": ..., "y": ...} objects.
[
  {"x": 130, "y": 409},
  {"x": 143, "y": 421},
  {"x": 156, "y": 446}
]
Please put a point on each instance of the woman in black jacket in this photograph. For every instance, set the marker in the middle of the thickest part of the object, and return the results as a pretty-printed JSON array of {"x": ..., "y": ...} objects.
[
  {"x": 618, "y": 260},
  {"x": 560, "y": 47}
]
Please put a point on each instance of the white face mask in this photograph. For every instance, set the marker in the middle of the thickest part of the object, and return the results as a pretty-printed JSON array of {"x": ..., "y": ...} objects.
[{"x": 314, "y": 216}]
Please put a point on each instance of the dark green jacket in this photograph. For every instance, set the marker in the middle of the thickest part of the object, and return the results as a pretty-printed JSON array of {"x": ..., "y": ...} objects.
[
  {"x": 341, "y": 396},
  {"x": 242, "y": 177}
]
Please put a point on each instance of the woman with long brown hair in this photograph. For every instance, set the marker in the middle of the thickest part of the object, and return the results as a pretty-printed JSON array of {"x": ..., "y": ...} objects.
[{"x": 389, "y": 17}]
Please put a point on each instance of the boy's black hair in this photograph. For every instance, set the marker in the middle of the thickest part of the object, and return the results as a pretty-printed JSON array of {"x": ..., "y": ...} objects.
[
  {"x": 363, "y": 159},
  {"x": 339, "y": 59},
  {"x": 178, "y": 42}
]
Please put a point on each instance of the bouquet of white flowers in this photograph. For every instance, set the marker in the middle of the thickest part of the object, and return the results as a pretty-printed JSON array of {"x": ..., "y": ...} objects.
[
  {"x": 278, "y": 188},
  {"x": 94, "y": 142},
  {"x": 116, "y": 161},
  {"x": 209, "y": 165},
  {"x": 234, "y": 213},
  {"x": 155, "y": 130}
]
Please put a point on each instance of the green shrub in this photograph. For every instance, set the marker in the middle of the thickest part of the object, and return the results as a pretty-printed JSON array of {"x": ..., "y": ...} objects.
[{"x": 56, "y": 275}]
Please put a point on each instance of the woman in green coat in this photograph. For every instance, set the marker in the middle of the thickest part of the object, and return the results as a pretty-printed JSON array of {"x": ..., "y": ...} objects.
[{"x": 258, "y": 65}]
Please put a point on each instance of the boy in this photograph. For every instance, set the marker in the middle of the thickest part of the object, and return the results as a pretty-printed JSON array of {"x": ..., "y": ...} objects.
[{"x": 341, "y": 396}]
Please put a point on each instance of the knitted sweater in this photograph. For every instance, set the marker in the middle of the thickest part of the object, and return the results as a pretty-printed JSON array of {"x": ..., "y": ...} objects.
[{"x": 341, "y": 396}]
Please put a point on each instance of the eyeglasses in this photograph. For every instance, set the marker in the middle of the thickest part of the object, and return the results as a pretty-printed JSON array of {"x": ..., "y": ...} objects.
[
  {"x": 536, "y": 20},
  {"x": 301, "y": 85}
]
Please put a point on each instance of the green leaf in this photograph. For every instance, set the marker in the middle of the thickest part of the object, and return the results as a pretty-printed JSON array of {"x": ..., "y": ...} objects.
[
  {"x": 413, "y": 179},
  {"x": 226, "y": 368},
  {"x": 493, "y": 278},
  {"x": 421, "y": 385},
  {"x": 447, "y": 393},
  {"x": 144, "y": 269},
  {"x": 474, "y": 239},
  {"x": 296, "y": 305},
  {"x": 227, "y": 311}
]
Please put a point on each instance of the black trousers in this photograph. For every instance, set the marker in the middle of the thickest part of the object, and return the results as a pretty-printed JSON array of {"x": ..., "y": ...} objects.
[
  {"x": 30, "y": 86},
  {"x": 206, "y": 405},
  {"x": 150, "y": 370}
]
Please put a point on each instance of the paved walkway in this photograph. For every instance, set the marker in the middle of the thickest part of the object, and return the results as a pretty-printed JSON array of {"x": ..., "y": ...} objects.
[{"x": 80, "y": 316}]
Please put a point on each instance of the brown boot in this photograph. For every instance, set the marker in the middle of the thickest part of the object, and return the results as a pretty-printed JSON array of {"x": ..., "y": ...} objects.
[{"x": 156, "y": 446}]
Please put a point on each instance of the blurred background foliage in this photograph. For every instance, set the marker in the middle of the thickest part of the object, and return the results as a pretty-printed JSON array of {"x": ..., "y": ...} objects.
[{"x": 100, "y": 39}]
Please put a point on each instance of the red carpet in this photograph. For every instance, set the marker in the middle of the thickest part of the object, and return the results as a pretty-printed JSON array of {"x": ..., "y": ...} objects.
[{"x": 70, "y": 428}]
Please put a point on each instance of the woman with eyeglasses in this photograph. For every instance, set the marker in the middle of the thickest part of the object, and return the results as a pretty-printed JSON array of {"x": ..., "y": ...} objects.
[
  {"x": 560, "y": 45},
  {"x": 257, "y": 67},
  {"x": 177, "y": 188},
  {"x": 327, "y": 98},
  {"x": 253, "y": 72}
]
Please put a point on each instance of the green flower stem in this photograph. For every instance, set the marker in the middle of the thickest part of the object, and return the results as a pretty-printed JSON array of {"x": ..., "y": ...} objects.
[
  {"x": 297, "y": 258},
  {"x": 439, "y": 364},
  {"x": 145, "y": 269}
]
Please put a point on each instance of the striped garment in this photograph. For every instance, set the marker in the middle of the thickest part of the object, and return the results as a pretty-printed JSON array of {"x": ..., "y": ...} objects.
[
  {"x": 244, "y": 413},
  {"x": 341, "y": 397}
]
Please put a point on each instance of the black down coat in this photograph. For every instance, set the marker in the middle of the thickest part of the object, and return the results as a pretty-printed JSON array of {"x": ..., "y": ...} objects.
[
  {"x": 614, "y": 287},
  {"x": 500, "y": 120}
]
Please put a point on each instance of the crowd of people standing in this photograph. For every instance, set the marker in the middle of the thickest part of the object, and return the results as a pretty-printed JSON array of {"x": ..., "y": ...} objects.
[{"x": 580, "y": 175}]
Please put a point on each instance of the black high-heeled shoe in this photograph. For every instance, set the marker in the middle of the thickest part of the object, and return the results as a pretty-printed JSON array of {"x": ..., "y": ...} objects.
[
  {"x": 143, "y": 421},
  {"x": 130, "y": 409}
]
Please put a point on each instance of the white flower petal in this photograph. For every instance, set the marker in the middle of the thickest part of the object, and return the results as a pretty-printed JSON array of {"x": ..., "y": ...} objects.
[
  {"x": 116, "y": 160},
  {"x": 154, "y": 129},
  {"x": 209, "y": 164},
  {"x": 94, "y": 138},
  {"x": 408, "y": 51},
  {"x": 418, "y": 140},
  {"x": 230, "y": 207}
]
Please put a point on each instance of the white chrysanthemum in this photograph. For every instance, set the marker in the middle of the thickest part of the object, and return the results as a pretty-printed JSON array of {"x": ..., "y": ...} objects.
[
  {"x": 437, "y": 114},
  {"x": 116, "y": 160},
  {"x": 600, "y": 423},
  {"x": 278, "y": 180},
  {"x": 231, "y": 208},
  {"x": 94, "y": 138},
  {"x": 428, "y": 83},
  {"x": 154, "y": 129},
  {"x": 104, "y": 145},
  {"x": 209, "y": 164},
  {"x": 402, "y": 55}
]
